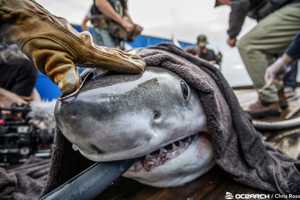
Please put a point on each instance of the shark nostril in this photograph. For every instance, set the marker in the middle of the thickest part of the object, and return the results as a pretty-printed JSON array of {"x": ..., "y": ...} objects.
[
  {"x": 74, "y": 115},
  {"x": 96, "y": 149}
]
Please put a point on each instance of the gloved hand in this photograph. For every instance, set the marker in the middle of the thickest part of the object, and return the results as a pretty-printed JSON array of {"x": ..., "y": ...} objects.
[
  {"x": 277, "y": 70},
  {"x": 55, "y": 47},
  {"x": 135, "y": 32},
  {"x": 68, "y": 81},
  {"x": 128, "y": 26},
  {"x": 274, "y": 72},
  {"x": 56, "y": 63}
]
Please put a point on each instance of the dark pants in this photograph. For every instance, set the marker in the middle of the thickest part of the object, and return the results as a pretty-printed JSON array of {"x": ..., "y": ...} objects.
[
  {"x": 290, "y": 79},
  {"x": 18, "y": 77}
]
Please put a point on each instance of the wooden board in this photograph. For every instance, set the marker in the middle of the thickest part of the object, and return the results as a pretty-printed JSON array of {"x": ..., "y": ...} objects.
[{"x": 211, "y": 186}]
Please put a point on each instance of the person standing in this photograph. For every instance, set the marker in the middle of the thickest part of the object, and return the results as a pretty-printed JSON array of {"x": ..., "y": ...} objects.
[
  {"x": 278, "y": 22},
  {"x": 202, "y": 51},
  {"x": 112, "y": 23}
]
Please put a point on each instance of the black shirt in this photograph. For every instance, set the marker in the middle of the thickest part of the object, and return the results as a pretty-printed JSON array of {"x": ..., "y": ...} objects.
[
  {"x": 208, "y": 54},
  {"x": 294, "y": 49}
]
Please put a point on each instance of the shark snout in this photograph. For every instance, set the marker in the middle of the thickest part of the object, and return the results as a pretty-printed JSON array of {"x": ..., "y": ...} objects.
[{"x": 106, "y": 134}]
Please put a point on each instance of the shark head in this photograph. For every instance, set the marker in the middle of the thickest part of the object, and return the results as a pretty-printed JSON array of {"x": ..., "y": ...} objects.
[{"x": 155, "y": 116}]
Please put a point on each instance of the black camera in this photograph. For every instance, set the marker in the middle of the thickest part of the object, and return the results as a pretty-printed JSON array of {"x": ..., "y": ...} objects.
[{"x": 21, "y": 137}]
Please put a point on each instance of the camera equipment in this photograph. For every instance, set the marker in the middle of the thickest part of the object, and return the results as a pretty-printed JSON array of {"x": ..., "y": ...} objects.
[{"x": 21, "y": 136}]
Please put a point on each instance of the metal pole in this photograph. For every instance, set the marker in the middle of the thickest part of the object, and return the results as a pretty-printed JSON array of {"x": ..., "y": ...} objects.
[{"x": 91, "y": 182}]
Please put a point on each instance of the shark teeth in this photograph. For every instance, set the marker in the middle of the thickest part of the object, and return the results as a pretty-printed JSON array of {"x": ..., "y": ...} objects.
[
  {"x": 162, "y": 155},
  {"x": 174, "y": 146},
  {"x": 163, "y": 151}
]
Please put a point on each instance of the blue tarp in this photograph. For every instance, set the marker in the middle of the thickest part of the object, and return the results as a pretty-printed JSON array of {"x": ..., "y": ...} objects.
[
  {"x": 49, "y": 91},
  {"x": 46, "y": 88},
  {"x": 145, "y": 41}
]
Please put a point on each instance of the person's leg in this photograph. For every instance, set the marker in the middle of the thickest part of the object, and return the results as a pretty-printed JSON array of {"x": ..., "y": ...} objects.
[
  {"x": 103, "y": 38},
  {"x": 97, "y": 37},
  {"x": 18, "y": 77},
  {"x": 25, "y": 80},
  {"x": 270, "y": 37}
]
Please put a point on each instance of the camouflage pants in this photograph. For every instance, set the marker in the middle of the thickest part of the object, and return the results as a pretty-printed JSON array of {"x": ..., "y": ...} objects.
[
  {"x": 103, "y": 38},
  {"x": 265, "y": 42}
]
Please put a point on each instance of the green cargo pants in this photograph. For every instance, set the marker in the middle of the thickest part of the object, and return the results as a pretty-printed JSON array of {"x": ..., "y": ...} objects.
[{"x": 265, "y": 42}]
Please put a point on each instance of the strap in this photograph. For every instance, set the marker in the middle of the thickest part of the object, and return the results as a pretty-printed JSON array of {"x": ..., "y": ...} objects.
[{"x": 85, "y": 76}]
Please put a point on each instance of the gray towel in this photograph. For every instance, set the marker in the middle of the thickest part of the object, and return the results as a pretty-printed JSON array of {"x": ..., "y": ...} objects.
[{"x": 24, "y": 182}]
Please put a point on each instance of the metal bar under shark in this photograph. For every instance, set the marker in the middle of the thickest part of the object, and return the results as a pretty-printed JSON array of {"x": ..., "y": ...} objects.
[{"x": 91, "y": 182}]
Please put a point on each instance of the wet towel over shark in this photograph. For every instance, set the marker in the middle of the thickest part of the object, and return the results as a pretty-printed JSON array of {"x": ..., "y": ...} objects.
[{"x": 239, "y": 148}]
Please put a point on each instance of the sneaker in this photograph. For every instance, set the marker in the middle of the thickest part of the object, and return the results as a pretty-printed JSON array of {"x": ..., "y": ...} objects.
[{"x": 261, "y": 109}]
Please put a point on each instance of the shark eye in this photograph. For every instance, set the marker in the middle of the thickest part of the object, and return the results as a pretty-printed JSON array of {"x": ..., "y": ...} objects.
[
  {"x": 156, "y": 114},
  {"x": 185, "y": 90}
]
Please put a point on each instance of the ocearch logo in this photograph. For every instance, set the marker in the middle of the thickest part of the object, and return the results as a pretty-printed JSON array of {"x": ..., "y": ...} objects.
[{"x": 229, "y": 195}]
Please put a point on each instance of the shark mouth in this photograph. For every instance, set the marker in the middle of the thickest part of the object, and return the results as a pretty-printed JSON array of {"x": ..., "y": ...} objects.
[
  {"x": 163, "y": 155},
  {"x": 175, "y": 164}
]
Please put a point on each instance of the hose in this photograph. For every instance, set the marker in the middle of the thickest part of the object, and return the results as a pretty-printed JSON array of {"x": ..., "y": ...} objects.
[
  {"x": 90, "y": 183},
  {"x": 276, "y": 126}
]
